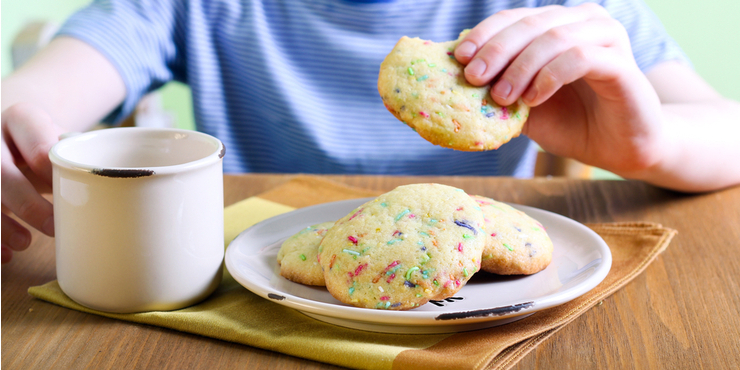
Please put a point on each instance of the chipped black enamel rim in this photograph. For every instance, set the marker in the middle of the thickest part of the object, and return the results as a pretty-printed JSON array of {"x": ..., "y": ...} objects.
[
  {"x": 61, "y": 161},
  {"x": 274, "y": 296},
  {"x": 496, "y": 311},
  {"x": 122, "y": 173}
]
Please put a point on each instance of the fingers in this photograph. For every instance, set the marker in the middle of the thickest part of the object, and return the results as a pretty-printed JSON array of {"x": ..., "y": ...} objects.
[
  {"x": 14, "y": 235},
  {"x": 31, "y": 133},
  {"x": 485, "y": 30},
  {"x": 604, "y": 69},
  {"x": 549, "y": 46},
  {"x": 27, "y": 136},
  {"x": 515, "y": 45},
  {"x": 7, "y": 254},
  {"x": 505, "y": 45},
  {"x": 14, "y": 238},
  {"x": 20, "y": 197}
]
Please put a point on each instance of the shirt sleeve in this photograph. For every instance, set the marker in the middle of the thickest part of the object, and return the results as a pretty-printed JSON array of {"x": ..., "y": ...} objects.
[
  {"x": 138, "y": 37},
  {"x": 651, "y": 44}
]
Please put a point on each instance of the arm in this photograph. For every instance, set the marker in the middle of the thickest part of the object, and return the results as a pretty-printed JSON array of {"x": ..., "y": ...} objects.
[
  {"x": 702, "y": 133},
  {"x": 591, "y": 102},
  {"x": 68, "y": 86},
  {"x": 70, "y": 80}
]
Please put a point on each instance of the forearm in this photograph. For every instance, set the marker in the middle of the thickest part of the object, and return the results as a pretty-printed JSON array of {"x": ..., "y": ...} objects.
[
  {"x": 700, "y": 150},
  {"x": 70, "y": 80}
]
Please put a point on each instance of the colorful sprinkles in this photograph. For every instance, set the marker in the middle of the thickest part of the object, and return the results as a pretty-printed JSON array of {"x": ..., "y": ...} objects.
[
  {"x": 429, "y": 77},
  {"x": 400, "y": 215},
  {"x": 466, "y": 225}
]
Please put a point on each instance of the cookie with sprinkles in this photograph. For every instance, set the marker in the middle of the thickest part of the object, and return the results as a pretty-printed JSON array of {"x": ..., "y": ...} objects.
[
  {"x": 298, "y": 255},
  {"x": 408, "y": 246},
  {"x": 423, "y": 85},
  {"x": 516, "y": 244}
]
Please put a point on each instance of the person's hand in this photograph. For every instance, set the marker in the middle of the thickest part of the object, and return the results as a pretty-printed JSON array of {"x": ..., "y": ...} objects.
[
  {"x": 575, "y": 67},
  {"x": 27, "y": 135}
]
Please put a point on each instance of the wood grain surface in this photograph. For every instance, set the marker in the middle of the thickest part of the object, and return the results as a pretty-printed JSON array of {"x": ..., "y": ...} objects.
[{"x": 682, "y": 313}]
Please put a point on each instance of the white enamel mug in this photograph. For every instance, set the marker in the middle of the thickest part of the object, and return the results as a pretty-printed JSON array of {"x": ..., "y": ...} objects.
[{"x": 138, "y": 218}]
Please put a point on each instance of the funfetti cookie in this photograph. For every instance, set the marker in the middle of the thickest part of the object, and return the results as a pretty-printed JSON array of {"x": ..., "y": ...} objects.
[
  {"x": 410, "y": 245},
  {"x": 298, "y": 255},
  {"x": 515, "y": 243},
  {"x": 423, "y": 85}
]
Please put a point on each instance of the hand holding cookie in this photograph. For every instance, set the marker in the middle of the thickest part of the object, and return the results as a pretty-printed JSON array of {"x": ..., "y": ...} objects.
[{"x": 574, "y": 66}]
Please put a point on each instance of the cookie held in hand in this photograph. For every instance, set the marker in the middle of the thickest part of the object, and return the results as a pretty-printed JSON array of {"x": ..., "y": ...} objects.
[{"x": 423, "y": 85}]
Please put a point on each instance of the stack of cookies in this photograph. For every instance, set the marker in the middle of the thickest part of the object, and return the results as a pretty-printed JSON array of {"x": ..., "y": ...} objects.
[
  {"x": 413, "y": 244},
  {"x": 424, "y": 242}
]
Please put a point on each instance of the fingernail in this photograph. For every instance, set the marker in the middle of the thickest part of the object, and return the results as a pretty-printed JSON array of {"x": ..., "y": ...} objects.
[
  {"x": 530, "y": 95},
  {"x": 18, "y": 241},
  {"x": 48, "y": 226},
  {"x": 466, "y": 49},
  {"x": 502, "y": 89},
  {"x": 476, "y": 67}
]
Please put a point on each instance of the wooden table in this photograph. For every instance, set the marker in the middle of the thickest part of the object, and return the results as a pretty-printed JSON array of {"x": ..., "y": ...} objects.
[{"x": 683, "y": 312}]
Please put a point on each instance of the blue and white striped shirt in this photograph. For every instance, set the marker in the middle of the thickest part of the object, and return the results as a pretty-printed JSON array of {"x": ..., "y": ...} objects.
[{"x": 291, "y": 85}]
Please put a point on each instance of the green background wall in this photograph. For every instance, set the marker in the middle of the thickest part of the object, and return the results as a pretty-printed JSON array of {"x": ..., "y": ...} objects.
[
  {"x": 16, "y": 13},
  {"x": 709, "y": 32}
]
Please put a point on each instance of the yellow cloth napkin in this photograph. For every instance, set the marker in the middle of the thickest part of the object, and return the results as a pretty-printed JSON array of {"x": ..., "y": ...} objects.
[{"x": 235, "y": 314}]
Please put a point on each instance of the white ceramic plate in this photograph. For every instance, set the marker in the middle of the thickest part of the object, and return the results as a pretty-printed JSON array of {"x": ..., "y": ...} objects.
[{"x": 581, "y": 260}]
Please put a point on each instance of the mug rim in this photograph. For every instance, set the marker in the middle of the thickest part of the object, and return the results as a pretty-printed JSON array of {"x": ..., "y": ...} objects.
[{"x": 138, "y": 171}]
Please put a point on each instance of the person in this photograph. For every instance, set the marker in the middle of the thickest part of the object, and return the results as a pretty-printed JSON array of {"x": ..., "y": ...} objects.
[{"x": 289, "y": 86}]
